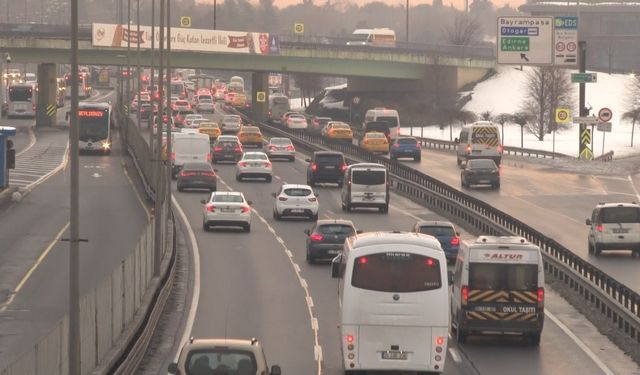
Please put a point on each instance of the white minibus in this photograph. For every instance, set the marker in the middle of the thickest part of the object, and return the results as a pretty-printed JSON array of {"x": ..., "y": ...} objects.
[
  {"x": 189, "y": 147},
  {"x": 393, "y": 297},
  {"x": 365, "y": 185},
  {"x": 390, "y": 116}
]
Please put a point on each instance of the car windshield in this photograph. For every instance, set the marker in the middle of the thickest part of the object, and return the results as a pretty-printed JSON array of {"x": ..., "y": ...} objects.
[
  {"x": 280, "y": 141},
  {"x": 221, "y": 361},
  {"x": 297, "y": 192},
  {"x": 340, "y": 126},
  {"x": 616, "y": 215},
  {"x": 340, "y": 229},
  {"x": 437, "y": 230},
  {"x": 482, "y": 164},
  {"x": 227, "y": 198},
  {"x": 497, "y": 276}
]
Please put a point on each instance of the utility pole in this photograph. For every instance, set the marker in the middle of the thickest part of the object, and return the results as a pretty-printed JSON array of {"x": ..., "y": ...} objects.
[
  {"x": 168, "y": 51},
  {"x": 407, "y": 21},
  {"x": 74, "y": 222},
  {"x": 152, "y": 71},
  {"x": 215, "y": 6},
  {"x": 138, "y": 61},
  {"x": 159, "y": 187},
  {"x": 583, "y": 149},
  {"x": 128, "y": 94}
]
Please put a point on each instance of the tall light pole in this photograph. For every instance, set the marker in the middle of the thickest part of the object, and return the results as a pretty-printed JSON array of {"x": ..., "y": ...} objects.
[
  {"x": 215, "y": 6},
  {"x": 138, "y": 59},
  {"x": 168, "y": 52},
  {"x": 152, "y": 71},
  {"x": 74, "y": 223},
  {"x": 158, "y": 203},
  {"x": 407, "y": 21},
  {"x": 128, "y": 95}
]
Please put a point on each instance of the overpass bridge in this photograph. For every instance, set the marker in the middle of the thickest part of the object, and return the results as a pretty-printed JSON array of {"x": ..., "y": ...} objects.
[{"x": 418, "y": 68}]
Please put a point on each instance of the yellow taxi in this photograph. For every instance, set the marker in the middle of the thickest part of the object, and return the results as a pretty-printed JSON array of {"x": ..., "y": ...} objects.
[
  {"x": 375, "y": 142},
  {"x": 337, "y": 130},
  {"x": 250, "y": 135},
  {"x": 239, "y": 100},
  {"x": 212, "y": 129}
]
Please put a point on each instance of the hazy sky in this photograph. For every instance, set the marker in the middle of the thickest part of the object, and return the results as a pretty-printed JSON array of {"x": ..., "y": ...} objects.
[{"x": 456, "y": 3}]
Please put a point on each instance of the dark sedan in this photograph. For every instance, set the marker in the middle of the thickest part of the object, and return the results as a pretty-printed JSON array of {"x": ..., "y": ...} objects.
[
  {"x": 445, "y": 233},
  {"x": 197, "y": 176},
  {"x": 326, "y": 239},
  {"x": 480, "y": 172},
  {"x": 227, "y": 151}
]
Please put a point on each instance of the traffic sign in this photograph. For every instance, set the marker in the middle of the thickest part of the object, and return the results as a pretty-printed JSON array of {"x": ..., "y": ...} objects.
[
  {"x": 356, "y": 99},
  {"x": 565, "y": 29},
  {"x": 185, "y": 21},
  {"x": 584, "y": 77},
  {"x": 298, "y": 28},
  {"x": 605, "y": 114},
  {"x": 261, "y": 96},
  {"x": 585, "y": 144},
  {"x": 563, "y": 115},
  {"x": 604, "y": 127},
  {"x": 590, "y": 120},
  {"x": 525, "y": 40}
]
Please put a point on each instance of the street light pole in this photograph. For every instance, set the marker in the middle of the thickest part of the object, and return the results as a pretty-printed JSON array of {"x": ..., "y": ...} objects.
[
  {"x": 138, "y": 58},
  {"x": 128, "y": 94},
  {"x": 152, "y": 71},
  {"x": 215, "y": 6},
  {"x": 168, "y": 51},
  {"x": 158, "y": 202},
  {"x": 407, "y": 21}
]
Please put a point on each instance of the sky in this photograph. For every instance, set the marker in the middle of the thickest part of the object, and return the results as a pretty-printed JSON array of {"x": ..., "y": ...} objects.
[{"x": 456, "y": 3}]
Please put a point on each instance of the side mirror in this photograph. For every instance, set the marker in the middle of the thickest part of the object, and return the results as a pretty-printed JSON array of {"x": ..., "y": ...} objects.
[
  {"x": 307, "y": 160},
  {"x": 275, "y": 370},
  {"x": 456, "y": 140},
  {"x": 316, "y": 194},
  {"x": 249, "y": 202},
  {"x": 458, "y": 234},
  {"x": 274, "y": 195},
  {"x": 173, "y": 368},
  {"x": 450, "y": 277},
  {"x": 359, "y": 231},
  {"x": 336, "y": 267},
  {"x": 588, "y": 221},
  {"x": 203, "y": 201},
  {"x": 307, "y": 232}
]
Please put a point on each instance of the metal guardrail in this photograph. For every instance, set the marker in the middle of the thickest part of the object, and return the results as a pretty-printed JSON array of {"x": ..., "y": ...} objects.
[{"x": 616, "y": 302}]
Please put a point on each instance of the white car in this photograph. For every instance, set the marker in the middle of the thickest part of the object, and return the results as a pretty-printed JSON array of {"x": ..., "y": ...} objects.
[
  {"x": 296, "y": 121},
  {"x": 296, "y": 200},
  {"x": 228, "y": 138},
  {"x": 231, "y": 123},
  {"x": 226, "y": 208},
  {"x": 205, "y": 106},
  {"x": 188, "y": 120},
  {"x": 254, "y": 164},
  {"x": 281, "y": 148}
]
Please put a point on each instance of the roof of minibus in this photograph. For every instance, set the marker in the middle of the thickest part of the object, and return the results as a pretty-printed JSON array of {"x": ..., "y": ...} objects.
[
  {"x": 393, "y": 238},
  {"x": 103, "y": 105},
  {"x": 367, "y": 166}
]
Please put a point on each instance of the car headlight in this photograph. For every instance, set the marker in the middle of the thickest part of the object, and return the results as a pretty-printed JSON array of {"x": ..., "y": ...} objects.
[{"x": 106, "y": 145}]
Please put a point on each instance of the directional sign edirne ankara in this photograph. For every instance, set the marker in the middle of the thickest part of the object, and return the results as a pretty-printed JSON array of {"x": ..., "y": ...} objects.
[{"x": 525, "y": 40}]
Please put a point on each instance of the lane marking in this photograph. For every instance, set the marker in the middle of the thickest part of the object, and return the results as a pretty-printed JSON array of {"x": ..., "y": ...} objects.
[
  {"x": 31, "y": 270},
  {"x": 60, "y": 167},
  {"x": 455, "y": 355},
  {"x": 138, "y": 197},
  {"x": 633, "y": 186},
  {"x": 195, "y": 298},
  {"x": 32, "y": 141},
  {"x": 606, "y": 370}
]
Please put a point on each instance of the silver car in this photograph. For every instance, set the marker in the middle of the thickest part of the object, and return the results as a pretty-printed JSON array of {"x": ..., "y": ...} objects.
[
  {"x": 254, "y": 164},
  {"x": 205, "y": 106},
  {"x": 279, "y": 147},
  {"x": 188, "y": 120},
  {"x": 226, "y": 208},
  {"x": 231, "y": 123}
]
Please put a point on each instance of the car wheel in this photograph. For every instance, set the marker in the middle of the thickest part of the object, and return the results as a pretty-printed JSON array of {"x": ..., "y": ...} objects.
[
  {"x": 384, "y": 209},
  {"x": 238, "y": 177},
  {"x": 310, "y": 259},
  {"x": 340, "y": 183},
  {"x": 205, "y": 226},
  {"x": 418, "y": 159},
  {"x": 180, "y": 189},
  {"x": 293, "y": 158},
  {"x": 534, "y": 338},
  {"x": 461, "y": 334},
  {"x": 597, "y": 249},
  {"x": 313, "y": 217},
  {"x": 276, "y": 215}
]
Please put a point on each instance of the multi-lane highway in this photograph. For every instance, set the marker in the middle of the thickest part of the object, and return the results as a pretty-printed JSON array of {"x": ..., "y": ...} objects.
[
  {"x": 33, "y": 261},
  {"x": 258, "y": 285}
]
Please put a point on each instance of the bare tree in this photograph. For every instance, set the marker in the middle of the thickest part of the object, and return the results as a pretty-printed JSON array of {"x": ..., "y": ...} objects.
[
  {"x": 464, "y": 31},
  {"x": 632, "y": 104},
  {"x": 485, "y": 116},
  {"x": 547, "y": 88}
]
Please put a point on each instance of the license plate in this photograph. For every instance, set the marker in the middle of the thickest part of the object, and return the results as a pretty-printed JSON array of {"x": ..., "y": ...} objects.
[
  {"x": 330, "y": 167},
  {"x": 395, "y": 355},
  {"x": 227, "y": 210},
  {"x": 620, "y": 230},
  {"x": 333, "y": 251},
  {"x": 297, "y": 211}
]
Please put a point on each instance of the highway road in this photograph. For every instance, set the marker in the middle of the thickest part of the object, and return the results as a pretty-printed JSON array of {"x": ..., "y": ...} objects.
[
  {"x": 34, "y": 263},
  {"x": 258, "y": 285}
]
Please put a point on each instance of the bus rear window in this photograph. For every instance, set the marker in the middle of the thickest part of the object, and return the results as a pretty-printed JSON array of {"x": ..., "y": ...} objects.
[
  {"x": 20, "y": 94},
  {"x": 369, "y": 177},
  {"x": 391, "y": 120},
  {"x": 495, "y": 276},
  {"x": 396, "y": 272}
]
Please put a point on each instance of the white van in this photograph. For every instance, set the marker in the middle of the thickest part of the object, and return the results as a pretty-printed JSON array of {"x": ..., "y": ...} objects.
[
  {"x": 480, "y": 140},
  {"x": 365, "y": 185},
  {"x": 392, "y": 297},
  {"x": 189, "y": 147},
  {"x": 498, "y": 287},
  {"x": 380, "y": 114},
  {"x": 382, "y": 37}
]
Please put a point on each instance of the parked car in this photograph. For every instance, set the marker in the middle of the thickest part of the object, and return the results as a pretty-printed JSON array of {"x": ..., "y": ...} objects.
[
  {"x": 326, "y": 239},
  {"x": 480, "y": 172},
  {"x": 403, "y": 147},
  {"x": 295, "y": 201},
  {"x": 197, "y": 176}
]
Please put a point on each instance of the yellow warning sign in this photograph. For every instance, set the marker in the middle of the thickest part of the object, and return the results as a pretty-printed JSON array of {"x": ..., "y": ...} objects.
[
  {"x": 261, "y": 96},
  {"x": 185, "y": 21},
  {"x": 585, "y": 137},
  {"x": 298, "y": 28},
  {"x": 586, "y": 154},
  {"x": 52, "y": 109},
  {"x": 563, "y": 115}
]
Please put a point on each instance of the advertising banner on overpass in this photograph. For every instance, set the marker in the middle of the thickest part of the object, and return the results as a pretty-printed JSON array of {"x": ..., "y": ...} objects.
[{"x": 187, "y": 39}]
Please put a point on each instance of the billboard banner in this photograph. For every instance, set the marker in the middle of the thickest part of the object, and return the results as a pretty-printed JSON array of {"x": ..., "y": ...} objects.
[{"x": 186, "y": 39}]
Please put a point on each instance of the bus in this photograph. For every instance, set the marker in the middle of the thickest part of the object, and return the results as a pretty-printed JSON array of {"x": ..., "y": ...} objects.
[
  {"x": 393, "y": 302},
  {"x": 21, "y": 101},
  {"x": 179, "y": 89},
  {"x": 94, "y": 122}
]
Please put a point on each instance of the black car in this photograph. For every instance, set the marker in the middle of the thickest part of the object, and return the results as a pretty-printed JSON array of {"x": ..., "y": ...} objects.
[
  {"x": 326, "y": 166},
  {"x": 326, "y": 238},
  {"x": 480, "y": 172},
  {"x": 197, "y": 176},
  {"x": 146, "y": 110},
  {"x": 227, "y": 151},
  {"x": 445, "y": 232}
]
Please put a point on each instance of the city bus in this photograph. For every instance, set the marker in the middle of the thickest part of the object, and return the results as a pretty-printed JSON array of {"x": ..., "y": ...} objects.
[
  {"x": 94, "y": 122},
  {"x": 393, "y": 297},
  {"x": 179, "y": 89},
  {"x": 21, "y": 101}
]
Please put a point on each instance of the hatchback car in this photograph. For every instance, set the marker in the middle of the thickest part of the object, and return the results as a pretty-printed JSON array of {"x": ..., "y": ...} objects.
[
  {"x": 296, "y": 200},
  {"x": 181, "y": 105},
  {"x": 197, "y": 176},
  {"x": 445, "y": 232},
  {"x": 480, "y": 172},
  {"x": 250, "y": 135},
  {"x": 614, "y": 226},
  {"x": 226, "y": 208},
  {"x": 296, "y": 121},
  {"x": 375, "y": 142},
  {"x": 226, "y": 150},
  {"x": 326, "y": 239},
  {"x": 205, "y": 106},
  {"x": 211, "y": 129},
  {"x": 231, "y": 124},
  {"x": 223, "y": 356},
  {"x": 280, "y": 147},
  {"x": 254, "y": 164},
  {"x": 326, "y": 166},
  {"x": 405, "y": 147}
]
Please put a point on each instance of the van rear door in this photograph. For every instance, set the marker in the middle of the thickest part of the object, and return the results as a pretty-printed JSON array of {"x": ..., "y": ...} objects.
[
  {"x": 191, "y": 148},
  {"x": 369, "y": 185}
]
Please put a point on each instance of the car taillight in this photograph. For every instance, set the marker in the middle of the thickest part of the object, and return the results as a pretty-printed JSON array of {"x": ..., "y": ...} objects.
[
  {"x": 186, "y": 174},
  {"x": 418, "y": 145},
  {"x": 500, "y": 149},
  {"x": 208, "y": 174},
  {"x": 209, "y": 156},
  {"x": 344, "y": 167},
  {"x": 314, "y": 167},
  {"x": 396, "y": 145},
  {"x": 468, "y": 149},
  {"x": 237, "y": 149},
  {"x": 316, "y": 237},
  {"x": 245, "y": 209},
  {"x": 313, "y": 199},
  {"x": 242, "y": 164},
  {"x": 217, "y": 149},
  {"x": 282, "y": 199},
  {"x": 464, "y": 292},
  {"x": 599, "y": 228},
  {"x": 455, "y": 241},
  {"x": 291, "y": 148},
  {"x": 540, "y": 297},
  {"x": 439, "y": 340},
  {"x": 267, "y": 164},
  {"x": 211, "y": 208}
]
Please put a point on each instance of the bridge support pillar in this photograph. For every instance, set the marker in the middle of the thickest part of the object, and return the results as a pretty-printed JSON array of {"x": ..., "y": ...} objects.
[
  {"x": 46, "y": 109},
  {"x": 260, "y": 96}
]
